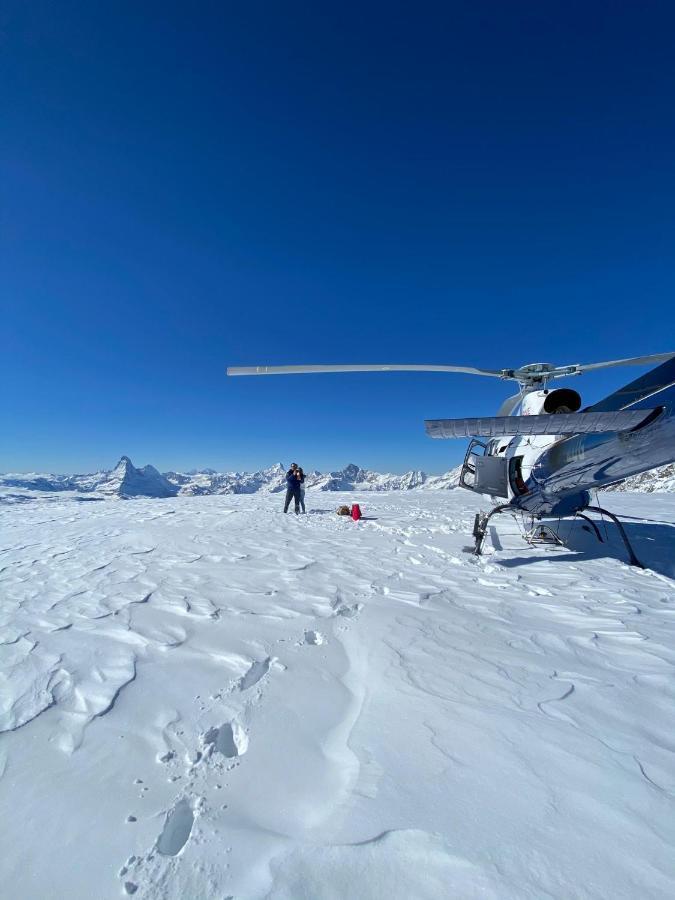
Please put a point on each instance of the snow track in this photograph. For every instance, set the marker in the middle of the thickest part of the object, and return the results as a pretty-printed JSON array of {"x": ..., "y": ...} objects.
[{"x": 201, "y": 697}]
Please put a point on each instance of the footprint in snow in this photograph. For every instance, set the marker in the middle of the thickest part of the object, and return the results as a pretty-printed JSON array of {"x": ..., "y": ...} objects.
[
  {"x": 177, "y": 829},
  {"x": 230, "y": 739},
  {"x": 314, "y": 638},
  {"x": 166, "y": 757},
  {"x": 257, "y": 670},
  {"x": 342, "y": 609},
  {"x": 174, "y": 836},
  {"x": 349, "y": 612}
]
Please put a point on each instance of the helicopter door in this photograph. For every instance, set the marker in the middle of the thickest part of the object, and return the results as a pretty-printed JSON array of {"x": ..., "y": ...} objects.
[{"x": 484, "y": 474}]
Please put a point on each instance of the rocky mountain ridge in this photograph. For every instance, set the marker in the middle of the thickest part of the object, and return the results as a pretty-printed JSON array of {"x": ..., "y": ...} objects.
[
  {"x": 125, "y": 480},
  {"x": 656, "y": 480}
]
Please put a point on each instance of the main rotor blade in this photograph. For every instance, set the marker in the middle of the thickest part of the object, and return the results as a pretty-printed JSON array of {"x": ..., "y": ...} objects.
[
  {"x": 305, "y": 370},
  {"x": 632, "y": 361}
]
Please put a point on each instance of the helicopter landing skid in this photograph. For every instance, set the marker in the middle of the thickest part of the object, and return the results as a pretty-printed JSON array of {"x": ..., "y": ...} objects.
[
  {"x": 590, "y": 521},
  {"x": 632, "y": 558},
  {"x": 545, "y": 534},
  {"x": 480, "y": 524}
]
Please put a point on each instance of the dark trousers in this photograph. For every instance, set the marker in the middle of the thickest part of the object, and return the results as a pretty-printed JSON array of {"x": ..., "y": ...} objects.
[{"x": 293, "y": 493}]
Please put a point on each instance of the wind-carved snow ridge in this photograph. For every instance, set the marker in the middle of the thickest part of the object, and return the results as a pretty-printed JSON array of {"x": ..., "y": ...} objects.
[
  {"x": 396, "y": 864},
  {"x": 126, "y": 481}
]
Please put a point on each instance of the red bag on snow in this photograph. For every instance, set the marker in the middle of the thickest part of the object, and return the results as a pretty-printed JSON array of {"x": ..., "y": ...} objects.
[{"x": 356, "y": 512}]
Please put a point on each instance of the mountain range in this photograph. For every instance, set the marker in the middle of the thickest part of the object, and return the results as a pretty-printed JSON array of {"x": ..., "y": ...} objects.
[
  {"x": 659, "y": 480},
  {"x": 125, "y": 480}
]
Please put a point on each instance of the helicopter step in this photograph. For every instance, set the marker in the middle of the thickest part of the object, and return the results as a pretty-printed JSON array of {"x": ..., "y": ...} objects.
[{"x": 543, "y": 534}]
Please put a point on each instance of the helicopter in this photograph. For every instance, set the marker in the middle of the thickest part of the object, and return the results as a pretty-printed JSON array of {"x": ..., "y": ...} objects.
[{"x": 542, "y": 455}]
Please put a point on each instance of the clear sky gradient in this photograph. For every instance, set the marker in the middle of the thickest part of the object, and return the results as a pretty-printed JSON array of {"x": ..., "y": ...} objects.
[{"x": 189, "y": 186}]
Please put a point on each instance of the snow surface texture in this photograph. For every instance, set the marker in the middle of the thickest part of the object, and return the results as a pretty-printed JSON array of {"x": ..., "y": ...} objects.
[
  {"x": 125, "y": 480},
  {"x": 204, "y": 698}
]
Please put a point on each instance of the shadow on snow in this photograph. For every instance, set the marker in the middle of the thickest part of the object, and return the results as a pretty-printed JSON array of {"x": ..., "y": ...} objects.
[{"x": 653, "y": 543}]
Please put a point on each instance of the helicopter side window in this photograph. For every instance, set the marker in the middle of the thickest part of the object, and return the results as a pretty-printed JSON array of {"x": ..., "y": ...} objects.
[{"x": 467, "y": 477}]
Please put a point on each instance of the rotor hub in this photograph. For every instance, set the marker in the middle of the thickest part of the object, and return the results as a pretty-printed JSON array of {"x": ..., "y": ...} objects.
[{"x": 536, "y": 375}]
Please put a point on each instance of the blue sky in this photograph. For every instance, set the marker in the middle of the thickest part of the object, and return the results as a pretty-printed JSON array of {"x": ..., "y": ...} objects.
[{"x": 189, "y": 186}]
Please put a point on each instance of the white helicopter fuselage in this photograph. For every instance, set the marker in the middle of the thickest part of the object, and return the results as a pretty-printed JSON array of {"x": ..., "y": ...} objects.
[
  {"x": 519, "y": 452},
  {"x": 530, "y": 448}
]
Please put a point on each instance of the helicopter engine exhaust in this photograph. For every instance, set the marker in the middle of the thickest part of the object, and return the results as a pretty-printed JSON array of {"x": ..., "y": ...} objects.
[{"x": 562, "y": 400}]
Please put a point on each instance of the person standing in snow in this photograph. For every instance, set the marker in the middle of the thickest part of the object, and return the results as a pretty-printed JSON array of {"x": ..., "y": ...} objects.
[
  {"x": 301, "y": 480},
  {"x": 292, "y": 488}
]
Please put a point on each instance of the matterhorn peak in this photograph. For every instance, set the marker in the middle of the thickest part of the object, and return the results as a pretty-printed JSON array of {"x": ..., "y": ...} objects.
[
  {"x": 123, "y": 463},
  {"x": 277, "y": 469},
  {"x": 126, "y": 480}
]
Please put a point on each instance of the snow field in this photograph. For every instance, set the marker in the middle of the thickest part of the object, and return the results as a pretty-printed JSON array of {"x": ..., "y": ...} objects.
[{"x": 201, "y": 697}]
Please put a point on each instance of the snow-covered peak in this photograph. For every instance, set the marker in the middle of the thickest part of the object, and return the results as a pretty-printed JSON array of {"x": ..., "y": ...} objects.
[
  {"x": 444, "y": 482},
  {"x": 275, "y": 470},
  {"x": 125, "y": 480}
]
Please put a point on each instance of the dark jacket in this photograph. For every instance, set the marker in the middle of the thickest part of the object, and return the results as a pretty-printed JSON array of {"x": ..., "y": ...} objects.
[{"x": 292, "y": 482}]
